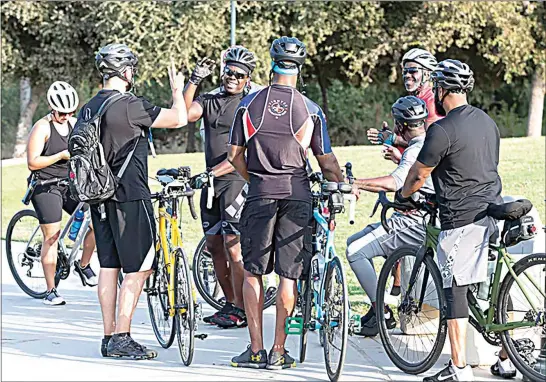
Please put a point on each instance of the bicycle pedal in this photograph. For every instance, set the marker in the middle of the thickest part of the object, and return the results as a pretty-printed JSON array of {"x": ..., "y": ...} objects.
[
  {"x": 293, "y": 325},
  {"x": 201, "y": 336}
]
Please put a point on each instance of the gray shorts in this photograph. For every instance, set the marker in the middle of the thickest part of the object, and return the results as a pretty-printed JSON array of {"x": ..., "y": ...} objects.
[
  {"x": 463, "y": 253},
  {"x": 374, "y": 241}
]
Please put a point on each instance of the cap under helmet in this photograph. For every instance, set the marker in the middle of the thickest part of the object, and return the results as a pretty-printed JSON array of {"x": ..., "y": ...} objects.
[
  {"x": 421, "y": 57},
  {"x": 453, "y": 75},
  {"x": 409, "y": 110},
  {"x": 62, "y": 97},
  {"x": 241, "y": 55},
  {"x": 113, "y": 59},
  {"x": 288, "y": 49}
]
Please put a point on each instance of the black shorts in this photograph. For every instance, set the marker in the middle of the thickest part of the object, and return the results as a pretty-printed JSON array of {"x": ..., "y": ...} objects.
[
  {"x": 277, "y": 232},
  {"x": 49, "y": 202},
  {"x": 228, "y": 201},
  {"x": 126, "y": 239}
]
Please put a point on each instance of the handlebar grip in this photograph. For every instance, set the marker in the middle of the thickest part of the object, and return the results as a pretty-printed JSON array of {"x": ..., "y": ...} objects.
[
  {"x": 352, "y": 208},
  {"x": 192, "y": 207},
  {"x": 210, "y": 193}
]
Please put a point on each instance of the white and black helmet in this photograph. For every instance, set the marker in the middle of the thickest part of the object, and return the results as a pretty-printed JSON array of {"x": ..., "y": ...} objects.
[
  {"x": 453, "y": 75},
  {"x": 409, "y": 110},
  {"x": 421, "y": 57},
  {"x": 62, "y": 97},
  {"x": 240, "y": 55},
  {"x": 113, "y": 59}
]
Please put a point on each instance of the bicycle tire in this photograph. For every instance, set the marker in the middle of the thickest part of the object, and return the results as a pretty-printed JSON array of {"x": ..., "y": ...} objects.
[
  {"x": 184, "y": 297},
  {"x": 203, "y": 290},
  {"x": 434, "y": 354},
  {"x": 10, "y": 253},
  {"x": 157, "y": 286},
  {"x": 335, "y": 269},
  {"x": 503, "y": 301},
  {"x": 306, "y": 307}
]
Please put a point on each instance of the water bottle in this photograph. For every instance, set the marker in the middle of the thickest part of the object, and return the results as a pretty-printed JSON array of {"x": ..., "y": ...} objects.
[{"x": 76, "y": 225}]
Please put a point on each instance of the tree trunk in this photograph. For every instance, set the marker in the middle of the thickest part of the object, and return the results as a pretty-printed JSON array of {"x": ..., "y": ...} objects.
[
  {"x": 190, "y": 147},
  {"x": 323, "y": 87},
  {"x": 536, "y": 103},
  {"x": 29, "y": 103}
]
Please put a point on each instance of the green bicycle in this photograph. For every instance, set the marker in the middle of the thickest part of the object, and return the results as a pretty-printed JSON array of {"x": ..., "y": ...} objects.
[{"x": 514, "y": 318}]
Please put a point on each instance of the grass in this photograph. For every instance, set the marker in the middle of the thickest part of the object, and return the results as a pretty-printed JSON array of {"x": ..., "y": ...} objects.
[{"x": 522, "y": 169}]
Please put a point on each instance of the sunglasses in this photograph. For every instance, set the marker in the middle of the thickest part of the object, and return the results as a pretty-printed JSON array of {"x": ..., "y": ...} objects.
[
  {"x": 64, "y": 114},
  {"x": 410, "y": 71},
  {"x": 230, "y": 73}
]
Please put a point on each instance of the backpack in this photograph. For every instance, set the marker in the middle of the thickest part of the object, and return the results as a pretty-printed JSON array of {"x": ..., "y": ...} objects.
[{"x": 89, "y": 176}]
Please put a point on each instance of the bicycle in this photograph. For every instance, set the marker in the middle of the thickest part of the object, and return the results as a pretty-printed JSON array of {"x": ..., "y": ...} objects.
[
  {"x": 323, "y": 299},
  {"x": 204, "y": 275},
  {"x": 24, "y": 243},
  {"x": 171, "y": 298},
  {"x": 422, "y": 301}
]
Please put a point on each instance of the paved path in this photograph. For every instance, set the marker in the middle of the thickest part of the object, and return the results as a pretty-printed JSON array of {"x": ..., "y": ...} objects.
[{"x": 62, "y": 343}]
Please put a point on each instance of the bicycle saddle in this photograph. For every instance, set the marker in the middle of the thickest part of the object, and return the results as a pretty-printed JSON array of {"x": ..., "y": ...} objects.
[
  {"x": 509, "y": 211},
  {"x": 169, "y": 172}
]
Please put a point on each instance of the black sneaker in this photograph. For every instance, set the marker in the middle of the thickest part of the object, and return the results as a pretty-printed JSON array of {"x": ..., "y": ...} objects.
[
  {"x": 270, "y": 292},
  {"x": 86, "y": 274},
  {"x": 395, "y": 290},
  {"x": 236, "y": 318},
  {"x": 104, "y": 346},
  {"x": 452, "y": 373},
  {"x": 365, "y": 318},
  {"x": 371, "y": 328},
  {"x": 54, "y": 298},
  {"x": 250, "y": 359},
  {"x": 279, "y": 361},
  {"x": 228, "y": 306},
  {"x": 123, "y": 345}
]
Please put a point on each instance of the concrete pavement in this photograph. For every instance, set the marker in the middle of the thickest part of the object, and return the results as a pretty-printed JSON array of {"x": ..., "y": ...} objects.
[{"x": 62, "y": 343}]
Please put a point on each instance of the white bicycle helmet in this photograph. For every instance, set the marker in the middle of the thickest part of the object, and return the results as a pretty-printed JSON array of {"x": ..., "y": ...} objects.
[
  {"x": 421, "y": 57},
  {"x": 62, "y": 97}
]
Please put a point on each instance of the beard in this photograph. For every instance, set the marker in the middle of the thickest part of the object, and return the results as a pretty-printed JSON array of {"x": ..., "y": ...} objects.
[{"x": 439, "y": 105}]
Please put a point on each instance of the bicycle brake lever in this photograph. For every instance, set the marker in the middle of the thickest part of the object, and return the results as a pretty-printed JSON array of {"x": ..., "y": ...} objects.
[{"x": 377, "y": 203}]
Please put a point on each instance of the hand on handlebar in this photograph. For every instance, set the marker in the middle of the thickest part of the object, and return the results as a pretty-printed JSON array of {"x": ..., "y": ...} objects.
[
  {"x": 405, "y": 203},
  {"x": 200, "y": 181}
]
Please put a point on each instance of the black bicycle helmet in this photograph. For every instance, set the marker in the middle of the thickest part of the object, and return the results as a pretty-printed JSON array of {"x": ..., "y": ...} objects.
[
  {"x": 453, "y": 75},
  {"x": 288, "y": 49},
  {"x": 409, "y": 110},
  {"x": 240, "y": 55},
  {"x": 421, "y": 57},
  {"x": 113, "y": 59}
]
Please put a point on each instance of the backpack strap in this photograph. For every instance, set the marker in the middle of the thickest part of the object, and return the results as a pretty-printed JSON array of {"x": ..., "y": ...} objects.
[
  {"x": 107, "y": 103},
  {"x": 128, "y": 159}
]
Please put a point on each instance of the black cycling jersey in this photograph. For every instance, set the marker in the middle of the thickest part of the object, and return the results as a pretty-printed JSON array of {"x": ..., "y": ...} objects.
[
  {"x": 125, "y": 121},
  {"x": 218, "y": 112},
  {"x": 464, "y": 149},
  {"x": 55, "y": 144},
  {"x": 277, "y": 125}
]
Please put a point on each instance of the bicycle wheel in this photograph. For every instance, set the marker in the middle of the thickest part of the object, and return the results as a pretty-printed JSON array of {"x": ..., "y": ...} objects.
[
  {"x": 158, "y": 304},
  {"x": 23, "y": 246},
  {"x": 416, "y": 341},
  {"x": 305, "y": 301},
  {"x": 185, "y": 317},
  {"x": 207, "y": 283},
  {"x": 527, "y": 340},
  {"x": 336, "y": 319}
]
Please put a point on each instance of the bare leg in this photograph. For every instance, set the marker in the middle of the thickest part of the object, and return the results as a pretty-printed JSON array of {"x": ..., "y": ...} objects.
[
  {"x": 233, "y": 249},
  {"x": 88, "y": 248},
  {"x": 253, "y": 292},
  {"x": 396, "y": 274},
  {"x": 215, "y": 245},
  {"x": 456, "y": 329},
  {"x": 108, "y": 291},
  {"x": 286, "y": 300},
  {"x": 51, "y": 233},
  {"x": 128, "y": 299}
]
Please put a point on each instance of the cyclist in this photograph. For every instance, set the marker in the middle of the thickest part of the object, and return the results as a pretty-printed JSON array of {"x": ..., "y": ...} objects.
[
  {"x": 410, "y": 114},
  {"x": 125, "y": 239},
  {"x": 277, "y": 125},
  {"x": 453, "y": 146},
  {"x": 221, "y": 221},
  {"x": 417, "y": 65},
  {"x": 47, "y": 159}
]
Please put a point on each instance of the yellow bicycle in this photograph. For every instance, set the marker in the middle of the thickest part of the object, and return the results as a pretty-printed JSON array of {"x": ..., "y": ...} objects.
[{"x": 171, "y": 298}]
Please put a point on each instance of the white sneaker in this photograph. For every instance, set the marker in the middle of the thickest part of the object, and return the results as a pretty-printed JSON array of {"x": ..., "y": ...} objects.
[
  {"x": 452, "y": 373},
  {"x": 504, "y": 369},
  {"x": 53, "y": 298}
]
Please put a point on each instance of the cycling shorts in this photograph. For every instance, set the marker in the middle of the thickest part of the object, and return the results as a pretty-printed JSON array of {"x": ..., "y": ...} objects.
[
  {"x": 227, "y": 204},
  {"x": 49, "y": 201}
]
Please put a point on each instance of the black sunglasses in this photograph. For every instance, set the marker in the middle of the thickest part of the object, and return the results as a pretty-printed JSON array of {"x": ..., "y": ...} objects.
[
  {"x": 64, "y": 114},
  {"x": 410, "y": 71},
  {"x": 230, "y": 73}
]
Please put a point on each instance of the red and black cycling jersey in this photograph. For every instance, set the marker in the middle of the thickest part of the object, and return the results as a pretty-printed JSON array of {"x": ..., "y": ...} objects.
[
  {"x": 277, "y": 125},
  {"x": 427, "y": 96}
]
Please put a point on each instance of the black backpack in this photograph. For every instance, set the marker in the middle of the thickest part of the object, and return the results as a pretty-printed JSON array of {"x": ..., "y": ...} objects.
[{"x": 90, "y": 178}]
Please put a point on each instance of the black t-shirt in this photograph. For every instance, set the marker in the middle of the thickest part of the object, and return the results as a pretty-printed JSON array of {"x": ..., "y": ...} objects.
[
  {"x": 277, "y": 125},
  {"x": 125, "y": 121},
  {"x": 218, "y": 112},
  {"x": 464, "y": 149}
]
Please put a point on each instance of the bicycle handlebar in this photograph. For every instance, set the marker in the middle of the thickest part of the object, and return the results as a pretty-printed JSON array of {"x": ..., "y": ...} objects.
[
  {"x": 192, "y": 207},
  {"x": 427, "y": 205}
]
